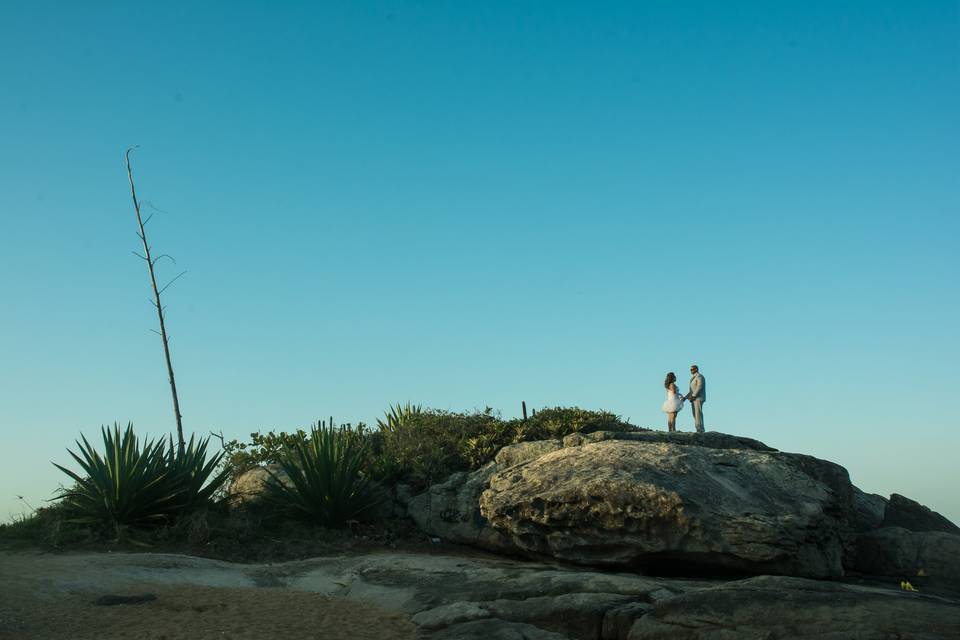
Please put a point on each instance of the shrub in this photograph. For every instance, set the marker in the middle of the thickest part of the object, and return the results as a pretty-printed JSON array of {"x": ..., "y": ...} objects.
[
  {"x": 428, "y": 445},
  {"x": 559, "y": 422},
  {"x": 326, "y": 481},
  {"x": 45, "y": 525},
  {"x": 263, "y": 448},
  {"x": 391, "y": 436},
  {"x": 137, "y": 485},
  {"x": 425, "y": 446},
  {"x": 480, "y": 449}
]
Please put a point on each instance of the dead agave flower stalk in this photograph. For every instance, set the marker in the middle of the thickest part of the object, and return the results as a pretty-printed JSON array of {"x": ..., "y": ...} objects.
[{"x": 151, "y": 263}]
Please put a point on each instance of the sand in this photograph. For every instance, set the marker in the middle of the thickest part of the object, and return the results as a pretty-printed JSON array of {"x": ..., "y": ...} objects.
[{"x": 30, "y": 608}]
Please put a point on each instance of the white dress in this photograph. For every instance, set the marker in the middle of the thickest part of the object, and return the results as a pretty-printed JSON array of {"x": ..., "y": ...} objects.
[{"x": 673, "y": 403}]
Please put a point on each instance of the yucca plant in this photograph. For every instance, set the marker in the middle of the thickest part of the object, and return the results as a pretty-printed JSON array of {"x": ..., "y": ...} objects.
[
  {"x": 191, "y": 473},
  {"x": 129, "y": 484},
  {"x": 325, "y": 481}
]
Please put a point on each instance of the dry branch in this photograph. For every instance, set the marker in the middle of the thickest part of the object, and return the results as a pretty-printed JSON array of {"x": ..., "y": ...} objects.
[{"x": 142, "y": 234}]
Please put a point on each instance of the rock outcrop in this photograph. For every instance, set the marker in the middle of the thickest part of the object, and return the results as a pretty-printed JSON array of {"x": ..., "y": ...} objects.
[
  {"x": 482, "y": 598},
  {"x": 451, "y": 510},
  {"x": 782, "y": 607},
  {"x": 909, "y": 541},
  {"x": 903, "y": 512},
  {"x": 675, "y": 509},
  {"x": 868, "y": 510},
  {"x": 686, "y": 503},
  {"x": 895, "y": 551}
]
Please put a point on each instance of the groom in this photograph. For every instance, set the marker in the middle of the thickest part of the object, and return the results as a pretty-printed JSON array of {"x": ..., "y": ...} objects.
[{"x": 697, "y": 396}]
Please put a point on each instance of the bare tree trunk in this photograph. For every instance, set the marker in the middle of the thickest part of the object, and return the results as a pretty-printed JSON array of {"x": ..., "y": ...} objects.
[{"x": 156, "y": 301}]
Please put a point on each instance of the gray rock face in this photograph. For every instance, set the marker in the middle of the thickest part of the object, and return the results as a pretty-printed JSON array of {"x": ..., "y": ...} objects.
[
  {"x": 868, "y": 510},
  {"x": 450, "y": 510},
  {"x": 576, "y": 615},
  {"x": 709, "y": 439},
  {"x": 524, "y": 451},
  {"x": 675, "y": 508},
  {"x": 897, "y": 552},
  {"x": 779, "y": 607},
  {"x": 674, "y": 503},
  {"x": 496, "y": 629},
  {"x": 906, "y": 513},
  {"x": 457, "y": 597}
]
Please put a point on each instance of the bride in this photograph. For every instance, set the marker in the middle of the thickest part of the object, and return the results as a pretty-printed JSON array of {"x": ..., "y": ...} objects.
[{"x": 674, "y": 402}]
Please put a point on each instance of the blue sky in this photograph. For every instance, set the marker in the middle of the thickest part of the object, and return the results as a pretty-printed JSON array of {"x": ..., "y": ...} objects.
[{"x": 472, "y": 204}]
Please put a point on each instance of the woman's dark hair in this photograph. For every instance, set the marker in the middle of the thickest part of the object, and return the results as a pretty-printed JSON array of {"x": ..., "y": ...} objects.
[{"x": 671, "y": 378}]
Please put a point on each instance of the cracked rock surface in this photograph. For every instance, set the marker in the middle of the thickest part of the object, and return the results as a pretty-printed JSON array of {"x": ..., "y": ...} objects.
[
  {"x": 686, "y": 504},
  {"x": 443, "y": 597}
]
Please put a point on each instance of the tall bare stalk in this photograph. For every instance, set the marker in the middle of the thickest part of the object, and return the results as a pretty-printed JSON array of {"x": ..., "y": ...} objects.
[{"x": 151, "y": 262}]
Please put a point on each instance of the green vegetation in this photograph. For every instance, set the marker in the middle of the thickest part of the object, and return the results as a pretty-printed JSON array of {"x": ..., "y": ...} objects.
[
  {"x": 137, "y": 485},
  {"x": 127, "y": 485},
  {"x": 263, "y": 448},
  {"x": 161, "y": 494},
  {"x": 422, "y": 447},
  {"x": 324, "y": 480},
  {"x": 46, "y": 526},
  {"x": 193, "y": 478}
]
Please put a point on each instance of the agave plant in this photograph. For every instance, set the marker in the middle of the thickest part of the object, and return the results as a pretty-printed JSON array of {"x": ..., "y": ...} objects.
[
  {"x": 325, "y": 481},
  {"x": 190, "y": 473},
  {"x": 129, "y": 484},
  {"x": 398, "y": 416}
]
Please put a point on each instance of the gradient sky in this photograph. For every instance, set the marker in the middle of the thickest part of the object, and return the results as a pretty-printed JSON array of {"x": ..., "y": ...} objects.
[{"x": 472, "y": 204}]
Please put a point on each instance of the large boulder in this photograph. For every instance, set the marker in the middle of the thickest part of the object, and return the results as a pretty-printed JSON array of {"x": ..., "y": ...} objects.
[
  {"x": 249, "y": 487},
  {"x": 675, "y": 507},
  {"x": 904, "y": 512},
  {"x": 672, "y": 503},
  {"x": 450, "y": 510},
  {"x": 898, "y": 552}
]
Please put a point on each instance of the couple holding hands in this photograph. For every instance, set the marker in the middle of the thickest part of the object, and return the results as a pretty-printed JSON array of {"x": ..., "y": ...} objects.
[{"x": 674, "y": 402}]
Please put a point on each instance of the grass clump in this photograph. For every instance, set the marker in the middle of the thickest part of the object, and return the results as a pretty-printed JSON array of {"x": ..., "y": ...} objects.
[{"x": 46, "y": 526}]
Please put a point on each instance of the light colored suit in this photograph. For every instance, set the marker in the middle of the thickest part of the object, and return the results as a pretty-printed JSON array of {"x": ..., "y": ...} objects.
[{"x": 697, "y": 396}]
